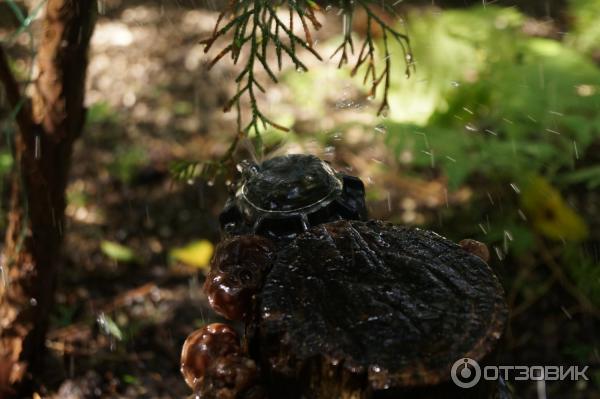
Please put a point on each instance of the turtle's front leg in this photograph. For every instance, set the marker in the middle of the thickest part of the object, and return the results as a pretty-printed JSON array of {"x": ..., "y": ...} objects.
[{"x": 214, "y": 366}]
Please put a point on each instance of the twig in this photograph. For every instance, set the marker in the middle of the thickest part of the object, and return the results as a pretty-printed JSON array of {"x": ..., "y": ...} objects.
[
  {"x": 256, "y": 25},
  {"x": 368, "y": 50}
]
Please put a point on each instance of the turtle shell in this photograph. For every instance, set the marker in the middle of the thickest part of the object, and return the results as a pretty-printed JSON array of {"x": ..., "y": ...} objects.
[
  {"x": 287, "y": 195},
  {"x": 395, "y": 305}
]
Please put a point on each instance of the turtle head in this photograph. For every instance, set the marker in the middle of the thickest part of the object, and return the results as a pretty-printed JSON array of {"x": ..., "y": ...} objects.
[
  {"x": 286, "y": 195},
  {"x": 237, "y": 270}
]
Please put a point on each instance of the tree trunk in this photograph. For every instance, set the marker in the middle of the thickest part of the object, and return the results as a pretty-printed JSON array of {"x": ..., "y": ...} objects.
[{"x": 48, "y": 127}]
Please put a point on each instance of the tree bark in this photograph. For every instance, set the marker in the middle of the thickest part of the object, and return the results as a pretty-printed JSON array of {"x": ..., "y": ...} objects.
[{"x": 48, "y": 125}]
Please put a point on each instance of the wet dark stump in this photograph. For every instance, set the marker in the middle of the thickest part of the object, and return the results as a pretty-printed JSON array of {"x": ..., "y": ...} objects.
[
  {"x": 336, "y": 306},
  {"x": 360, "y": 309}
]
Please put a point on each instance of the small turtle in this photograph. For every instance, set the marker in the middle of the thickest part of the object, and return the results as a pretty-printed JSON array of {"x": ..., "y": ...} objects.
[
  {"x": 335, "y": 305},
  {"x": 285, "y": 196}
]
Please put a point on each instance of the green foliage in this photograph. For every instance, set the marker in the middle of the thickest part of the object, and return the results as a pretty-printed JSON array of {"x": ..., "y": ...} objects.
[
  {"x": 127, "y": 162},
  {"x": 6, "y": 163},
  {"x": 77, "y": 198},
  {"x": 62, "y": 315},
  {"x": 130, "y": 379},
  {"x": 118, "y": 252},
  {"x": 260, "y": 27},
  {"x": 101, "y": 112},
  {"x": 584, "y": 271},
  {"x": 589, "y": 176},
  {"x": 585, "y": 32},
  {"x": 308, "y": 88},
  {"x": 493, "y": 102},
  {"x": 182, "y": 108},
  {"x": 549, "y": 213}
]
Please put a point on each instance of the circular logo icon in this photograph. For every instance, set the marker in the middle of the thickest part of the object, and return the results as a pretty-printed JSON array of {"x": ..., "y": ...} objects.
[{"x": 466, "y": 372}]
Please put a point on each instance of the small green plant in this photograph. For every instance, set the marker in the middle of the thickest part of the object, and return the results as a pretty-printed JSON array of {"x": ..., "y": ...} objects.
[
  {"x": 127, "y": 162},
  {"x": 515, "y": 117},
  {"x": 101, "y": 112},
  {"x": 118, "y": 252},
  {"x": 506, "y": 103}
]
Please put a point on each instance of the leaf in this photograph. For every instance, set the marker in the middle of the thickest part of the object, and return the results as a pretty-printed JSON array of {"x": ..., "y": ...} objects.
[
  {"x": 118, "y": 252},
  {"x": 109, "y": 327},
  {"x": 6, "y": 162},
  {"x": 101, "y": 112},
  {"x": 127, "y": 161},
  {"x": 549, "y": 213},
  {"x": 590, "y": 176},
  {"x": 130, "y": 379},
  {"x": 197, "y": 253}
]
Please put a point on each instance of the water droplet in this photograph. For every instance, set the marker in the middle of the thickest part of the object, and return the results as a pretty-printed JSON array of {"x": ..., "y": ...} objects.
[
  {"x": 37, "y": 151},
  {"x": 499, "y": 253},
  {"x": 3, "y": 278},
  {"x": 507, "y": 239},
  {"x": 385, "y": 112},
  {"x": 33, "y": 302},
  {"x": 344, "y": 104},
  {"x": 566, "y": 312},
  {"x": 337, "y": 136},
  {"x": 482, "y": 227},
  {"x": 471, "y": 127},
  {"x": 347, "y": 23},
  {"x": 375, "y": 369},
  {"x": 381, "y": 128}
]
